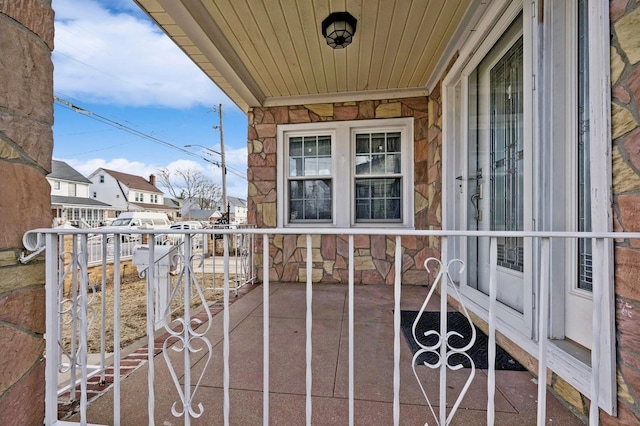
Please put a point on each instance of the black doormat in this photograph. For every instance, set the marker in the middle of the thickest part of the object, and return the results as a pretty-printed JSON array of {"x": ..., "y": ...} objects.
[{"x": 459, "y": 323}]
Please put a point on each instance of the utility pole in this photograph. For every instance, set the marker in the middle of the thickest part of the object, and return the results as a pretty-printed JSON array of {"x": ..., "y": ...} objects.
[{"x": 224, "y": 165}]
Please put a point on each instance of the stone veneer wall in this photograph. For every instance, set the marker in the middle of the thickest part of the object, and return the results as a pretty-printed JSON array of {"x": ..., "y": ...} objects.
[
  {"x": 374, "y": 255},
  {"x": 625, "y": 111},
  {"x": 26, "y": 142}
]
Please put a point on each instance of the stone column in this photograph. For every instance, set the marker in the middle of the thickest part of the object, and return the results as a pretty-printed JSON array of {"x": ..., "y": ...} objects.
[{"x": 26, "y": 142}]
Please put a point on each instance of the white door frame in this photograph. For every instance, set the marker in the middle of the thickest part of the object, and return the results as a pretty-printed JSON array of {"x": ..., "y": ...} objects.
[{"x": 574, "y": 371}]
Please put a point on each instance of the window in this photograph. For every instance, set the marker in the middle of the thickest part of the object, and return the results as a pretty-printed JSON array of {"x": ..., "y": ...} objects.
[
  {"x": 344, "y": 174},
  {"x": 154, "y": 198},
  {"x": 72, "y": 189},
  {"x": 309, "y": 181},
  {"x": 585, "y": 265},
  {"x": 56, "y": 184},
  {"x": 95, "y": 195},
  {"x": 378, "y": 177},
  {"x": 101, "y": 178},
  {"x": 139, "y": 196}
]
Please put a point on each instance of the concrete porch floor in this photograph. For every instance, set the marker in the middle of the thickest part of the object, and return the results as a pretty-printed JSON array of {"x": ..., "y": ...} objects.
[{"x": 515, "y": 399}]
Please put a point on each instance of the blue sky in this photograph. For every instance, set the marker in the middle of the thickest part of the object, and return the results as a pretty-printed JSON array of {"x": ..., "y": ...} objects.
[{"x": 114, "y": 64}]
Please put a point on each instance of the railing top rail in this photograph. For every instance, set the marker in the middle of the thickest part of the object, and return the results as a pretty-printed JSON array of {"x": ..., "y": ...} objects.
[
  {"x": 33, "y": 234},
  {"x": 346, "y": 231}
]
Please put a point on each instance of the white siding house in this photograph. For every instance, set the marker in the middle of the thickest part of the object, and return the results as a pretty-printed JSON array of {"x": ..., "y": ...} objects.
[
  {"x": 127, "y": 192},
  {"x": 70, "y": 201}
]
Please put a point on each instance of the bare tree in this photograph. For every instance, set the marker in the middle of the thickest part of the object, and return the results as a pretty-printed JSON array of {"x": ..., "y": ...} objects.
[
  {"x": 185, "y": 184},
  {"x": 208, "y": 194}
]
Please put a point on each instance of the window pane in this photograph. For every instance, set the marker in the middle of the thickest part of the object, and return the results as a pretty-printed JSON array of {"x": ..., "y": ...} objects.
[
  {"x": 311, "y": 166},
  {"x": 392, "y": 163},
  {"x": 362, "y": 144},
  {"x": 295, "y": 147},
  {"x": 507, "y": 154},
  {"x": 393, "y": 142},
  {"x": 310, "y": 146},
  {"x": 378, "y": 199},
  {"x": 324, "y": 145},
  {"x": 324, "y": 166},
  {"x": 310, "y": 200},
  {"x": 585, "y": 251},
  {"x": 310, "y": 156},
  {"x": 378, "y": 143},
  {"x": 378, "y": 154},
  {"x": 295, "y": 167}
]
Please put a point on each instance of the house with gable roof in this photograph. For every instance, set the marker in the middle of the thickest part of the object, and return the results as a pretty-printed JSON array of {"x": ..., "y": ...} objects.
[
  {"x": 70, "y": 198},
  {"x": 126, "y": 192}
]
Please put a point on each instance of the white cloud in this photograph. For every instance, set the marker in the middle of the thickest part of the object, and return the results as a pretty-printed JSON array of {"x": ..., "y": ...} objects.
[
  {"x": 118, "y": 164},
  {"x": 236, "y": 186},
  {"x": 117, "y": 56}
]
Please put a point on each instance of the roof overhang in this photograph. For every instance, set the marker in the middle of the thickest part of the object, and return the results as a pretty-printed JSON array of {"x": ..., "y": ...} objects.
[{"x": 272, "y": 53}]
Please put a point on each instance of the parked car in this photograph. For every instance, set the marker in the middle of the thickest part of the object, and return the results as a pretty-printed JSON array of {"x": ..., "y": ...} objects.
[
  {"x": 137, "y": 220},
  {"x": 196, "y": 241}
]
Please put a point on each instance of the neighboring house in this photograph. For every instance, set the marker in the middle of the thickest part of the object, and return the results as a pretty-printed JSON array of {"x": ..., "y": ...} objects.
[
  {"x": 173, "y": 207},
  {"x": 127, "y": 192},
  {"x": 478, "y": 115},
  {"x": 201, "y": 215},
  {"x": 237, "y": 209},
  {"x": 188, "y": 205},
  {"x": 70, "y": 201}
]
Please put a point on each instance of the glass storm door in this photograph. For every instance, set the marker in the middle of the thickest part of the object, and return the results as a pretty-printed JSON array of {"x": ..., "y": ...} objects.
[{"x": 497, "y": 184}]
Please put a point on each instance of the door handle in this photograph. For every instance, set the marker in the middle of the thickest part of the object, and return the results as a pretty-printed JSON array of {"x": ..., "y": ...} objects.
[{"x": 475, "y": 200}]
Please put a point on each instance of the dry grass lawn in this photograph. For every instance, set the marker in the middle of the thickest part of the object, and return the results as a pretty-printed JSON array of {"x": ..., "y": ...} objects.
[{"x": 133, "y": 312}]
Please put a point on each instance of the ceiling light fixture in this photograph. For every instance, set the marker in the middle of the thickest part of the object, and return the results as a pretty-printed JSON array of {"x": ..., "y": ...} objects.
[{"x": 338, "y": 29}]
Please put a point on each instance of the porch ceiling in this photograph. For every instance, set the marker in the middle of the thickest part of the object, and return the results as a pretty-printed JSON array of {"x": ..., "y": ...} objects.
[{"x": 271, "y": 52}]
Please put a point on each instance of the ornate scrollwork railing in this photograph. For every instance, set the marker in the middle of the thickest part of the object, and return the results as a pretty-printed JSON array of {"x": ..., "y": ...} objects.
[{"x": 447, "y": 353}]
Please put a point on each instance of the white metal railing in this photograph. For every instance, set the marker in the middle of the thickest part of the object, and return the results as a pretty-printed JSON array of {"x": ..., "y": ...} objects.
[{"x": 71, "y": 266}]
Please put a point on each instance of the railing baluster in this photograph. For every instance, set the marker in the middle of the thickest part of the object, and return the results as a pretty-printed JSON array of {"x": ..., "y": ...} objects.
[
  {"x": 84, "y": 312},
  {"x": 225, "y": 327},
  {"x": 309, "y": 320},
  {"x": 53, "y": 320},
  {"x": 59, "y": 262},
  {"x": 265, "y": 328},
  {"x": 396, "y": 331},
  {"x": 103, "y": 311},
  {"x": 493, "y": 290},
  {"x": 116, "y": 329},
  {"x": 594, "y": 412},
  {"x": 73, "y": 360},
  {"x": 543, "y": 327},
  {"x": 444, "y": 295},
  {"x": 151, "y": 323},
  {"x": 186, "y": 325},
  {"x": 351, "y": 333}
]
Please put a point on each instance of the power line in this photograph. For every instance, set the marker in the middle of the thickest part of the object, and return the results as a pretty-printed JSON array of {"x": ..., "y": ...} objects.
[{"x": 109, "y": 122}]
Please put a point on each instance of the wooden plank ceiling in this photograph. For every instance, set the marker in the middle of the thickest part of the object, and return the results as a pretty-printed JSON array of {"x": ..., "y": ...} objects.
[{"x": 271, "y": 52}]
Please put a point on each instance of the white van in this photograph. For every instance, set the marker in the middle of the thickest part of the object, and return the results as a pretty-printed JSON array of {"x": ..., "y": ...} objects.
[
  {"x": 144, "y": 220},
  {"x": 138, "y": 220}
]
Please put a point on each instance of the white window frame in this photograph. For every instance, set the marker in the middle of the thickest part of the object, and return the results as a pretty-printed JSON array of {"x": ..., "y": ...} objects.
[
  {"x": 574, "y": 371},
  {"x": 343, "y": 167}
]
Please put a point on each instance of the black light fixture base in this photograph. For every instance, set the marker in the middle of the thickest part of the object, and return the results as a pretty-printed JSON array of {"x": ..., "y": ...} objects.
[{"x": 338, "y": 29}]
